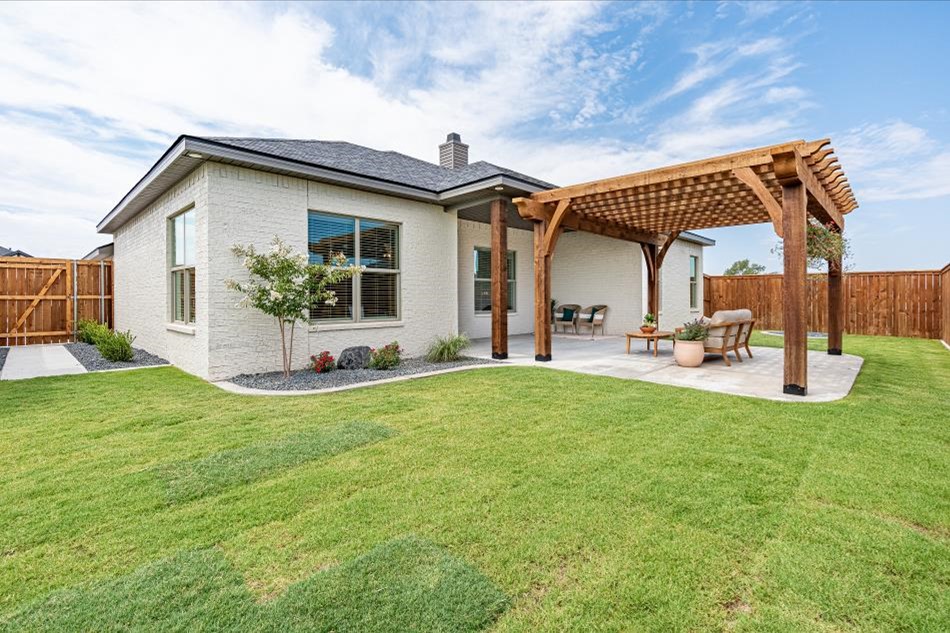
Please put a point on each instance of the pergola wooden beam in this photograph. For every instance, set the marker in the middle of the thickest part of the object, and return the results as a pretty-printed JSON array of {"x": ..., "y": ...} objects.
[
  {"x": 531, "y": 210},
  {"x": 791, "y": 169},
  {"x": 772, "y": 207}
]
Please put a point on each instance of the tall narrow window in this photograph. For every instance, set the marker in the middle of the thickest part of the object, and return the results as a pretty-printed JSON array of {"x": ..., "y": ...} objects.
[
  {"x": 483, "y": 280},
  {"x": 372, "y": 296},
  {"x": 182, "y": 258},
  {"x": 693, "y": 282}
]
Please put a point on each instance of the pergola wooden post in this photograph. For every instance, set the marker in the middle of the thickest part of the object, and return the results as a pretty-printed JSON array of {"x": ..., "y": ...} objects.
[
  {"x": 499, "y": 279},
  {"x": 781, "y": 184},
  {"x": 794, "y": 289},
  {"x": 542, "y": 294},
  {"x": 835, "y": 307}
]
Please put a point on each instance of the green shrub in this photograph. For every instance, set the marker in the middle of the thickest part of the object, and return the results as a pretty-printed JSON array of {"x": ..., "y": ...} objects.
[
  {"x": 89, "y": 331},
  {"x": 447, "y": 348},
  {"x": 693, "y": 331},
  {"x": 116, "y": 346},
  {"x": 387, "y": 357}
]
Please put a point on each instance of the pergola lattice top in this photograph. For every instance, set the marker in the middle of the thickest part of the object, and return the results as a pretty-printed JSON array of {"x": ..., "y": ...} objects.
[{"x": 730, "y": 190}]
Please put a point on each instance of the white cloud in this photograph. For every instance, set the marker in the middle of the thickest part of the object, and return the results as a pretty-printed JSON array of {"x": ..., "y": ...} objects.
[{"x": 894, "y": 161}]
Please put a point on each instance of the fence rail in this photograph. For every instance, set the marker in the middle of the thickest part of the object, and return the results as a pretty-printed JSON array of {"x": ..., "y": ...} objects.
[
  {"x": 903, "y": 303},
  {"x": 42, "y": 299}
]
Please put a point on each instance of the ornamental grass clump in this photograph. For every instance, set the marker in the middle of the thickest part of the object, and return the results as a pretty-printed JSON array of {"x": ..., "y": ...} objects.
[
  {"x": 116, "y": 347},
  {"x": 387, "y": 357},
  {"x": 282, "y": 284},
  {"x": 445, "y": 349}
]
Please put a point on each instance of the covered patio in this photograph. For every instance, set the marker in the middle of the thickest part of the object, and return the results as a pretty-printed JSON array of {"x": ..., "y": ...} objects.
[{"x": 780, "y": 184}]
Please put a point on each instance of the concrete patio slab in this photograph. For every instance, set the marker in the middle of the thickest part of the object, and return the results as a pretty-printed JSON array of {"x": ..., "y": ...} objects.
[
  {"x": 33, "y": 361},
  {"x": 829, "y": 377}
]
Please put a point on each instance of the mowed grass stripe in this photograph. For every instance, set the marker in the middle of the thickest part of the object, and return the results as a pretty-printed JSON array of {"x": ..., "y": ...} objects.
[
  {"x": 193, "y": 479},
  {"x": 407, "y": 584}
]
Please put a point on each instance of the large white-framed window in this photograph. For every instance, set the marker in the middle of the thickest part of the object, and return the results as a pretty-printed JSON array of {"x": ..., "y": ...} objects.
[
  {"x": 182, "y": 266},
  {"x": 483, "y": 281},
  {"x": 372, "y": 296},
  {"x": 693, "y": 282}
]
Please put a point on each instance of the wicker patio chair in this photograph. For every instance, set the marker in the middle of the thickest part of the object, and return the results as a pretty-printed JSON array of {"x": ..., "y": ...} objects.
[
  {"x": 565, "y": 315},
  {"x": 592, "y": 317}
]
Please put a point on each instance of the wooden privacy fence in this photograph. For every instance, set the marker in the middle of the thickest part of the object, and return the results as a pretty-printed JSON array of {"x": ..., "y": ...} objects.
[
  {"x": 41, "y": 299},
  {"x": 907, "y": 303}
]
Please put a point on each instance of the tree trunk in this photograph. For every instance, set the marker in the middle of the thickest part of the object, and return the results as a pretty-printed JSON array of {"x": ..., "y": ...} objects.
[
  {"x": 283, "y": 346},
  {"x": 290, "y": 351}
]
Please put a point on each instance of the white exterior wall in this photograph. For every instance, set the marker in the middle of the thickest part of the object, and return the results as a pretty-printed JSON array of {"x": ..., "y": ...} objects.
[
  {"x": 674, "y": 285},
  {"x": 142, "y": 278},
  {"x": 521, "y": 321},
  {"x": 251, "y": 207},
  {"x": 589, "y": 269}
]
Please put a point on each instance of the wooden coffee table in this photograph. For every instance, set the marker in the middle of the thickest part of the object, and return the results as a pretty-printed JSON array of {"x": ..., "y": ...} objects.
[{"x": 652, "y": 336}]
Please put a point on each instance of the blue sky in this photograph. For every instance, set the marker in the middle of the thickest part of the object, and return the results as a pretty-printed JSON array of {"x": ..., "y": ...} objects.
[{"x": 91, "y": 96}]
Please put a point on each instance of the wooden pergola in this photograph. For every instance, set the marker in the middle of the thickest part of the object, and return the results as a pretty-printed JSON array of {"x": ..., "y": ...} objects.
[{"x": 781, "y": 184}]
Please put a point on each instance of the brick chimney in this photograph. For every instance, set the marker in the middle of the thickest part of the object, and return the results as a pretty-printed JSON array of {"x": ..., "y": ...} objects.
[{"x": 453, "y": 153}]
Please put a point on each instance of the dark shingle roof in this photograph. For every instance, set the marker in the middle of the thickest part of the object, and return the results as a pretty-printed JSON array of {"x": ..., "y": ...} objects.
[
  {"x": 11, "y": 252},
  {"x": 383, "y": 165}
]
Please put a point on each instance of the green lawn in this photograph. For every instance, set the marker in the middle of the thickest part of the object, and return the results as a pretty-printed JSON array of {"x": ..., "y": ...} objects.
[{"x": 517, "y": 499}]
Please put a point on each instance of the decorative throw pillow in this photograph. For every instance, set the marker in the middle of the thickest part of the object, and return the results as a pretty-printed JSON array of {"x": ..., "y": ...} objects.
[
  {"x": 567, "y": 315},
  {"x": 593, "y": 311}
]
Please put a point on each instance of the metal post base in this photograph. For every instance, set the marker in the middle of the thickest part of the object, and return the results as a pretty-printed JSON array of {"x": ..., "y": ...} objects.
[
  {"x": 544, "y": 358},
  {"x": 499, "y": 355},
  {"x": 834, "y": 351},
  {"x": 794, "y": 390}
]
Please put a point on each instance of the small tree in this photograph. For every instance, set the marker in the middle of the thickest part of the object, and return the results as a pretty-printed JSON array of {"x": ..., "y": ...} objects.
[
  {"x": 744, "y": 267},
  {"x": 283, "y": 285}
]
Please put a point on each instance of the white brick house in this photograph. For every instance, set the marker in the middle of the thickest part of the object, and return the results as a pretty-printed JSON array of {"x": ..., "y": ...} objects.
[{"x": 420, "y": 227}]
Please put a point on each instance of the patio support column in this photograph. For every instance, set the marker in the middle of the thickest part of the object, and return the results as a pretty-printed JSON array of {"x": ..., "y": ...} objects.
[
  {"x": 649, "y": 256},
  {"x": 499, "y": 279},
  {"x": 542, "y": 295},
  {"x": 794, "y": 291},
  {"x": 835, "y": 307}
]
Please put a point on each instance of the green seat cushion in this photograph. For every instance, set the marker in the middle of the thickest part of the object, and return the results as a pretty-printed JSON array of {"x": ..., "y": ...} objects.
[{"x": 567, "y": 314}]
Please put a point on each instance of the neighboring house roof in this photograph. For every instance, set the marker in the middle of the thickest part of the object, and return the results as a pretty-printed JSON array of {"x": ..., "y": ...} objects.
[
  {"x": 383, "y": 165},
  {"x": 9, "y": 252},
  {"x": 101, "y": 252}
]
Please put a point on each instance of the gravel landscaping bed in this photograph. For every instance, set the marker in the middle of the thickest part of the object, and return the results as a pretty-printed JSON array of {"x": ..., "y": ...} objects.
[
  {"x": 3, "y": 356},
  {"x": 306, "y": 379},
  {"x": 90, "y": 358}
]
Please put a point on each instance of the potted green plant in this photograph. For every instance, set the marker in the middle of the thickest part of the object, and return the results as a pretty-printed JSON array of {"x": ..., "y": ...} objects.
[
  {"x": 690, "y": 343},
  {"x": 649, "y": 323}
]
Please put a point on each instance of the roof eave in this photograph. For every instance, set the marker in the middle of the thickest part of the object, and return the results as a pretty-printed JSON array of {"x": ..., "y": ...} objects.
[{"x": 696, "y": 238}]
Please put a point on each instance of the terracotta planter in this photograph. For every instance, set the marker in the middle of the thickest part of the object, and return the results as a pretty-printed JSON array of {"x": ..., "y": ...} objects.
[
  {"x": 689, "y": 353},
  {"x": 648, "y": 329}
]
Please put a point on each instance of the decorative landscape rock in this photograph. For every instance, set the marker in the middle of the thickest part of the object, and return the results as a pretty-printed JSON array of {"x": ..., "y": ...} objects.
[{"x": 354, "y": 358}]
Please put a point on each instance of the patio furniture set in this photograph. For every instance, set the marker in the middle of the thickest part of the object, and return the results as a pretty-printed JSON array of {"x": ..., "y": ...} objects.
[
  {"x": 728, "y": 330},
  {"x": 571, "y": 315}
]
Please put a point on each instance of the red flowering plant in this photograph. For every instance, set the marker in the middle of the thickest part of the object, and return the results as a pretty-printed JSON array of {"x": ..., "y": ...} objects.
[
  {"x": 387, "y": 357},
  {"x": 323, "y": 362}
]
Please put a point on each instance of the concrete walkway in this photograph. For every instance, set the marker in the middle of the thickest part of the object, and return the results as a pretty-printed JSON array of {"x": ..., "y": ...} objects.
[
  {"x": 829, "y": 377},
  {"x": 32, "y": 361}
]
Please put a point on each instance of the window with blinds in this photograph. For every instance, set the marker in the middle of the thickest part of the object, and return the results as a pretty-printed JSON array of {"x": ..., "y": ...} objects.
[
  {"x": 483, "y": 280},
  {"x": 372, "y": 296},
  {"x": 182, "y": 257}
]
